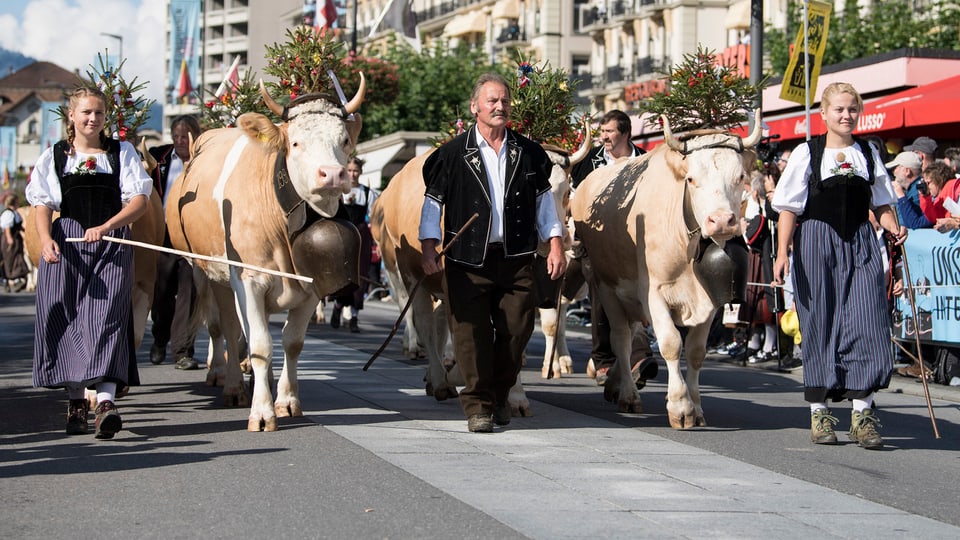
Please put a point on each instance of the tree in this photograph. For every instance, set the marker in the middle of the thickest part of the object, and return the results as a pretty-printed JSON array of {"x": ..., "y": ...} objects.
[
  {"x": 857, "y": 31},
  {"x": 434, "y": 87}
]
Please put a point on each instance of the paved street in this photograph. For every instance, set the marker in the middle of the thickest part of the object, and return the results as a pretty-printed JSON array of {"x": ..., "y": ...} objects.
[{"x": 373, "y": 457}]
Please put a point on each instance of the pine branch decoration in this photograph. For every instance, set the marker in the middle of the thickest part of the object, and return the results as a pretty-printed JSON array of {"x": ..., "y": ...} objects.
[{"x": 703, "y": 94}]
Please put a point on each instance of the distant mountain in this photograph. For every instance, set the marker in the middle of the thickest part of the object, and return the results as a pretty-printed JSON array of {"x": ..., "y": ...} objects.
[{"x": 11, "y": 61}]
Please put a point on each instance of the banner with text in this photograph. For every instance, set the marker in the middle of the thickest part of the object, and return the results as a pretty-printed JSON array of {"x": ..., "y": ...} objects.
[
  {"x": 818, "y": 22},
  {"x": 933, "y": 264}
]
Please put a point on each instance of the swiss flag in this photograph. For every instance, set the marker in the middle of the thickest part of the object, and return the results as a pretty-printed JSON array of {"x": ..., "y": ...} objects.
[
  {"x": 327, "y": 15},
  {"x": 185, "y": 88}
]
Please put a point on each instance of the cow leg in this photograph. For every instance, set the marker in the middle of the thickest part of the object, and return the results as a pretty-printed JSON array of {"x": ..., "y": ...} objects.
[
  {"x": 695, "y": 350},
  {"x": 620, "y": 385},
  {"x": 517, "y": 399},
  {"x": 260, "y": 348},
  {"x": 431, "y": 322},
  {"x": 550, "y": 326},
  {"x": 681, "y": 410},
  {"x": 288, "y": 400},
  {"x": 234, "y": 393},
  {"x": 142, "y": 301}
]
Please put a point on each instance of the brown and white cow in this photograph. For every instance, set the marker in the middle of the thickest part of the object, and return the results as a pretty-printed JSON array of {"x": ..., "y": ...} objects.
[
  {"x": 261, "y": 194},
  {"x": 653, "y": 227},
  {"x": 394, "y": 223}
]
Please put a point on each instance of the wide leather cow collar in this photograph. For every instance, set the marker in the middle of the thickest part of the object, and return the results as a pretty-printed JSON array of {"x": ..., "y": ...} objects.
[{"x": 300, "y": 215}]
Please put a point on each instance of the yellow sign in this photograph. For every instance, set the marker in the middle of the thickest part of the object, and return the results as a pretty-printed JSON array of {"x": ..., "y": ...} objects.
[{"x": 818, "y": 21}]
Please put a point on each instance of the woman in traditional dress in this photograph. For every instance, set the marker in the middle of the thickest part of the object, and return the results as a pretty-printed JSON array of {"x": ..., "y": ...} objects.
[
  {"x": 824, "y": 197},
  {"x": 84, "y": 330}
]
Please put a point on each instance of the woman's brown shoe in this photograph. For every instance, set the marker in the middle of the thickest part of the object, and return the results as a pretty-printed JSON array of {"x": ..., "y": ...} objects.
[
  {"x": 108, "y": 420},
  {"x": 77, "y": 411}
]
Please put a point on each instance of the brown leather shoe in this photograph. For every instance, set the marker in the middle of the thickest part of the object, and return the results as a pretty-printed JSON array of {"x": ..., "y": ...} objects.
[
  {"x": 821, "y": 427},
  {"x": 77, "y": 411},
  {"x": 864, "y": 429},
  {"x": 480, "y": 423},
  {"x": 108, "y": 420}
]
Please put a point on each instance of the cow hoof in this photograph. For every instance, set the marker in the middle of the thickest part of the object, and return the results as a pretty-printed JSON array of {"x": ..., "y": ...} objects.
[
  {"x": 429, "y": 389},
  {"x": 444, "y": 394},
  {"x": 286, "y": 410},
  {"x": 591, "y": 370},
  {"x": 686, "y": 421},
  {"x": 521, "y": 410},
  {"x": 566, "y": 366},
  {"x": 266, "y": 424},
  {"x": 632, "y": 408}
]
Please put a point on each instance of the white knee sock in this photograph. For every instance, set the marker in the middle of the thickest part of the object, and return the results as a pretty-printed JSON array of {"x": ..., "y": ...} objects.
[
  {"x": 860, "y": 404},
  {"x": 106, "y": 391},
  {"x": 815, "y": 406}
]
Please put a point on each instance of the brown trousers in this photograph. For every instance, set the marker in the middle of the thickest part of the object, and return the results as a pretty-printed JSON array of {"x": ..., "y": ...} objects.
[{"x": 491, "y": 311}]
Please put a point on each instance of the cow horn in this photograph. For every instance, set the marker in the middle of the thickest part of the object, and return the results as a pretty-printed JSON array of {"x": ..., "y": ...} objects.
[
  {"x": 274, "y": 107},
  {"x": 585, "y": 146},
  {"x": 754, "y": 137},
  {"x": 149, "y": 162},
  {"x": 668, "y": 135},
  {"x": 354, "y": 104}
]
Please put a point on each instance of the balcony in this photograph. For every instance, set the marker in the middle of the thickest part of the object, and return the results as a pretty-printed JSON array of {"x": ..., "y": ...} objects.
[{"x": 651, "y": 66}]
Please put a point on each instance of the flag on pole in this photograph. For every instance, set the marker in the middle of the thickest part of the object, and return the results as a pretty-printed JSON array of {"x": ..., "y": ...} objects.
[
  {"x": 231, "y": 80},
  {"x": 6, "y": 177},
  {"x": 327, "y": 16},
  {"x": 184, "y": 87}
]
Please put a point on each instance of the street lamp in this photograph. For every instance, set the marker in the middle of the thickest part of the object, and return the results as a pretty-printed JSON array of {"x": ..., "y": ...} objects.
[{"x": 120, "y": 39}]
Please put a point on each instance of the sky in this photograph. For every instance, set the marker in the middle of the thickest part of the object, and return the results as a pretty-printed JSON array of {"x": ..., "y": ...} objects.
[{"x": 68, "y": 33}]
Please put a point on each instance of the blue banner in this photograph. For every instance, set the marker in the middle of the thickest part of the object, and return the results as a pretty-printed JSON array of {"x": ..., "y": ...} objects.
[
  {"x": 933, "y": 265},
  {"x": 184, "y": 44},
  {"x": 51, "y": 127},
  {"x": 8, "y": 149}
]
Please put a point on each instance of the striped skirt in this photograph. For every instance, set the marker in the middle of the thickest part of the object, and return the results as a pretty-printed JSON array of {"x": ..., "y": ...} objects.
[
  {"x": 84, "y": 324},
  {"x": 842, "y": 305}
]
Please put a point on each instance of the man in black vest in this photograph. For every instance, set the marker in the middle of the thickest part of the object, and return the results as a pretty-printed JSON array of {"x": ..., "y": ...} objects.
[
  {"x": 174, "y": 294},
  {"x": 615, "y": 129},
  {"x": 488, "y": 276}
]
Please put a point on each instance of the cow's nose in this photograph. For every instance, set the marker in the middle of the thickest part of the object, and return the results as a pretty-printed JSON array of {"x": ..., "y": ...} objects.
[
  {"x": 720, "y": 223},
  {"x": 332, "y": 176}
]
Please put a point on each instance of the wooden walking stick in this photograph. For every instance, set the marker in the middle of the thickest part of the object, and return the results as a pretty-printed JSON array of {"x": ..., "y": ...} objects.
[
  {"x": 413, "y": 291},
  {"x": 912, "y": 299}
]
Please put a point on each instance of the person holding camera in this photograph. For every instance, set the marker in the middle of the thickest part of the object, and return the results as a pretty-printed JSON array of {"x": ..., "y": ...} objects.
[{"x": 909, "y": 185}]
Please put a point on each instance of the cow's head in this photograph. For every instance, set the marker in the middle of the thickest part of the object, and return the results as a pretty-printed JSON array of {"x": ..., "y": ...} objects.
[
  {"x": 563, "y": 163},
  {"x": 715, "y": 167},
  {"x": 317, "y": 137}
]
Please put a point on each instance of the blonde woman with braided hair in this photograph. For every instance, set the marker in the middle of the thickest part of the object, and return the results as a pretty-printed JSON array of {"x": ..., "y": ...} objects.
[{"x": 84, "y": 330}]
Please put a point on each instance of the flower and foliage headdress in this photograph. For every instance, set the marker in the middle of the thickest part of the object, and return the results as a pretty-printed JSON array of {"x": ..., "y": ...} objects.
[
  {"x": 239, "y": 98},
  {"x": 127, "y": 108},
  {"x": 542, "y": 108},
  {"x": 703, "y": 93},
  {"x": 303, "y": 63}
]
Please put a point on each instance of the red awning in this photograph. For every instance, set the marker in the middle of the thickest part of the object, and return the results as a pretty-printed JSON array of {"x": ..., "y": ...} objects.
[{"x": 926, "y": 105}]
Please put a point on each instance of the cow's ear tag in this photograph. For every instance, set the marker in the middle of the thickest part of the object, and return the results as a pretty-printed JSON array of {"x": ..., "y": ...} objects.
[{"x": 262, "y": 136}]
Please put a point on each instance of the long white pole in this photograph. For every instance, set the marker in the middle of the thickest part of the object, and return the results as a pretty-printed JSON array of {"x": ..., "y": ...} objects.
[{"x": 189, "y": 255}]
